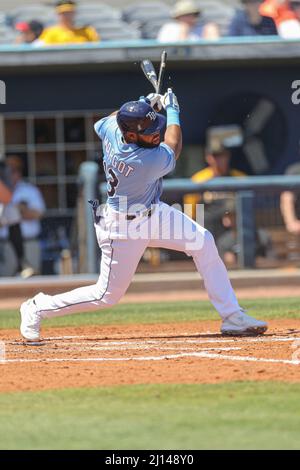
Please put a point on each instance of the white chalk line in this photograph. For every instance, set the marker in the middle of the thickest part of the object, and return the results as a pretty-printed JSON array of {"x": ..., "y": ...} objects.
[
  {"x": 250, "y": 359},
  {"x": 203, "y": 355},
  {"x": 135, "y": 348},
  {"x": 168, "y": 341},
  {"x": 106, "y": 359},
  {"x": 186, "y": 337},
  {"x": 150, "y": 344}
]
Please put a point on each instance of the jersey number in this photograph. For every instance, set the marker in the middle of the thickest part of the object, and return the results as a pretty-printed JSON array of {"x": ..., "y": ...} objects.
[{"x": 113, "y": 183}]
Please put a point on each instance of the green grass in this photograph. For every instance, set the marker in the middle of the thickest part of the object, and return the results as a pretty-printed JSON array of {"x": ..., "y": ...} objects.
[
  {"x": 163, "y": 313},
  {"x": 223, "y": 416}
]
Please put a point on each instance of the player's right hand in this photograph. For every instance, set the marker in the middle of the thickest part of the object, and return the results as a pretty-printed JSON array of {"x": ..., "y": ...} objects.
[
  {"x": 170, "y": 100},
  {"x": 155, "y": 100}
]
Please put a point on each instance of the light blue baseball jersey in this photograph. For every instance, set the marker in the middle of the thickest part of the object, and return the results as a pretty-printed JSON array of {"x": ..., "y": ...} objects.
[{"x": 134, "y": 174}]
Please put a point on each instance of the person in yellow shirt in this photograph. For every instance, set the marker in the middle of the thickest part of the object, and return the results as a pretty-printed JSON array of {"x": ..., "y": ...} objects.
[
  {"x": 220, "y": 217},
  {"x": 66, "y": 32},
  {"x": 218, "y": 159}
]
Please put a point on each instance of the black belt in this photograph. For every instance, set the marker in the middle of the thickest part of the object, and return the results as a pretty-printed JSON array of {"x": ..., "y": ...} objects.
[{"x": 148, "y": 213}]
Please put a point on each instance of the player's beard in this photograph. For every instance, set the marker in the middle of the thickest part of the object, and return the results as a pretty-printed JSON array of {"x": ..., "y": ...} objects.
[{"x": 143, "y": 141}]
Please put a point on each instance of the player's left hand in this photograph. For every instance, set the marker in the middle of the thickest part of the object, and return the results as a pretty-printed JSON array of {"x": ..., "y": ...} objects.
[
  {"x": 155, "y": 101},
  {"x": 169, "y": 100}
]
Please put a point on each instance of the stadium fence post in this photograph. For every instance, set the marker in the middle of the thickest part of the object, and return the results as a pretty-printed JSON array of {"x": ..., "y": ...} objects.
[
  {"x": 246, "y": 228},
  {"x": 88, "y": 173}
]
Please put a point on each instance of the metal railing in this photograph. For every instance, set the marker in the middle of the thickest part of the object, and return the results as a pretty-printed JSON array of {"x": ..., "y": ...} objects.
[
  {"x": 88, "y": 174},
  {"x": 261, "y": 48},
  {"x": 247, "y": 191}
]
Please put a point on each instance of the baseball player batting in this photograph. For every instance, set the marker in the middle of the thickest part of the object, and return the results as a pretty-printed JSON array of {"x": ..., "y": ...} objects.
[{"x": 140, "y": 147}]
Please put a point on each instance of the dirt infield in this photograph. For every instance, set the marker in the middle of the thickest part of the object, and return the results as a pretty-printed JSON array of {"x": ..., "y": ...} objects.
[{"x": 141, "y": 354}]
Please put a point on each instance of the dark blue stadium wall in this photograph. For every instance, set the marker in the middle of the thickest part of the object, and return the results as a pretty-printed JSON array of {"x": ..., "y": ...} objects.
[{"x": 207, "y": 96}]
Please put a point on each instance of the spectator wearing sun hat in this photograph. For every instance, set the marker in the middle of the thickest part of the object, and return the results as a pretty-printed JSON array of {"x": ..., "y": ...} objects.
[
  {"x": 65, "y": 31},
  {"x": 186, "y": 25}
]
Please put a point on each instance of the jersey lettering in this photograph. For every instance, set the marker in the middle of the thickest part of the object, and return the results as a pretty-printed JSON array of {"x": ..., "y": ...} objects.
[{"x": 115, "y": 162}]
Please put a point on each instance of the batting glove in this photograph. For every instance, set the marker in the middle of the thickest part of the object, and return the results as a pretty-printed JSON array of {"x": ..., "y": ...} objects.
[
  {"x": 169, "y": 100},
  {"x": 154, "y": 99}
]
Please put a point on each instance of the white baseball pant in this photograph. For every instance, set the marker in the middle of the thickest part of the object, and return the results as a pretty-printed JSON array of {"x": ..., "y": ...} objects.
[{"x": 123, "y": 243}]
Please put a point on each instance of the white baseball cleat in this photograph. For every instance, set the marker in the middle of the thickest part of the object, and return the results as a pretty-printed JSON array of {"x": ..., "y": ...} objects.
[
  {"x": 241, "y": 324},
  {"x": 30, "y": 321}
]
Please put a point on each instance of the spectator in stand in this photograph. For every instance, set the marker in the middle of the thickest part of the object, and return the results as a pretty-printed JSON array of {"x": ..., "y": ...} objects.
[
  {"x": 186, "y": 25},
  {"x": 218, "y": 158},
  {"x": 10, "y": 219},
  {"x": 290, "y": 28},
  {"x": 219, "y": 207},
  {"x": 279, "y": 10},
  {"x": 66, "y": 32},
  {"x": 228, "y": 243},
  {"x": 5, "y": 193},
  {"x": 250, "y": 22},
  {"x": 29, "y": 32},
  {"x": 30, "y": 203},
  {"x": 290, "y": 204}
]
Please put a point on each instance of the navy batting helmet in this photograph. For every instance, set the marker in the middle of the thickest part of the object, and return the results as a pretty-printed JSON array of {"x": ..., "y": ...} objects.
[{"x": 140, "y": 117}]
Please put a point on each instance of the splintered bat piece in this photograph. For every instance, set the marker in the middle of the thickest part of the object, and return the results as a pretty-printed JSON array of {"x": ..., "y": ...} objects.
[
  {"x": 162, "y": 70},
  {"x": 149, "y": 71}
]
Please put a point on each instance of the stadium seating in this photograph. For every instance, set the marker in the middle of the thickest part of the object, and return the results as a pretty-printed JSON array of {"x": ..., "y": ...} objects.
[
  {"x": 107, "y": 21},
  {"x": 217, "y": 12},
  {"x": 7, "y": 35},
  {"x": 39, "y": 12},
  {"x": 151, "y": 28},
  {"x": 148, "y": 17},
  {"x": 3, "y": 18},
  {"x": 136, "y": 20},
  {"x": 90, "y": 11},
  {"x": 116, "y": 31},
  {"x": 143, "y": 12}
]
